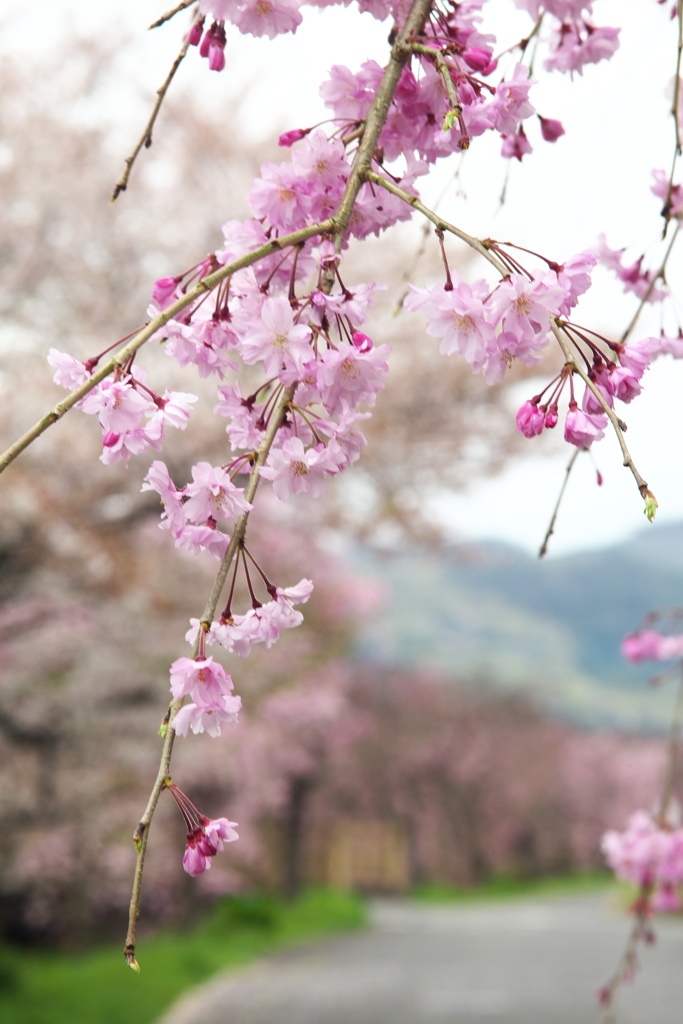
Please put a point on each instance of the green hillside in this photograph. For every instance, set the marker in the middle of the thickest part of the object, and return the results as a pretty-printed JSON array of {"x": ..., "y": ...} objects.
[{"x": 551, "y": 627}]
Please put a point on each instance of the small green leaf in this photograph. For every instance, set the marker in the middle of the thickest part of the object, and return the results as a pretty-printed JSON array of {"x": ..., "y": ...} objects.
[{"x": 651, "y": 506}]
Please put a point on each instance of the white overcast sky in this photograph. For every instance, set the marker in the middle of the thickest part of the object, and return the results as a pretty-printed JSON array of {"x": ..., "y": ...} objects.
[{"x": 594, "y": 179}]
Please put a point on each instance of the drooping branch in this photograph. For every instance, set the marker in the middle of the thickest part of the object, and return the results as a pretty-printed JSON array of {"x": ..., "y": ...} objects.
[
  {"x": 172, "y": 13},
  {"x": 149, "y": 330},
  {"x": 141, "y": 833},
  {"x": 646, "y": 494},
  {"x": 659, "y": 275},
  {"x": 373, "y": 126},
  {"x": 145, "y": 140},
  {"x": 551, "y": 525},
  {"x": 439, "y": 222}
]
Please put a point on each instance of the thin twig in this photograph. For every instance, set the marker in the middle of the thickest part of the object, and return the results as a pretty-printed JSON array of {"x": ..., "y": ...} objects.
[
  {"x": 551, "y": 526},
  {"x": 171, "y": 14},
  {"x": 146, "y": 137},
  {"x": 651, "y": 285},
  {"x": 645, "y": 492},
  {"x": 121, "y": 357},
  {"x": 674, "y": 110},
  {"x": 444, "y": 225}
]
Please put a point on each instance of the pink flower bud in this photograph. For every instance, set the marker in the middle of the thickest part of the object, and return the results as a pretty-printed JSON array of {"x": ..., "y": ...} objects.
[
  {"x": 163, "y": 291},
  {"x": 216, "y": 58},
  {"x": 110, "y": 439},
  {"x": 289, "y": 138},
  {"x": 361, "y": 341},
  {"x": 550, "y": 128},
  {"x": 530, "y": 420},
  {"x": 477, "y": 58},
  {"x": 196, "y": 33},
  {"x": 551, "y": 417}
]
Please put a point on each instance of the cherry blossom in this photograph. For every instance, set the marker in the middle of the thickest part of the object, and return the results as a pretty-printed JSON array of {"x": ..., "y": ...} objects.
[
  {"x": 212, "y": 495},
  {"x": 277, "y": 341},
  {"x": 294, "y": 470}
]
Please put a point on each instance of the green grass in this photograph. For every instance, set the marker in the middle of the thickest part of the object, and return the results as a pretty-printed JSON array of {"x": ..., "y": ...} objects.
[
  {"x": 97, "y": 988},
  {"x": 504, "y": 887}
]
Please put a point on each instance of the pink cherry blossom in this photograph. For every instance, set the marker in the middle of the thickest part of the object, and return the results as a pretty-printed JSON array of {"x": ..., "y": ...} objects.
[
  {"x": 582, "y": 429},
  {"x": 207, "y": 718},
  {"x": 204, "y": 680},
  {"x": 294, "y": 470},
  {"x": 459, "y": 318},
  {"x": 530, "y": 420},
  {"x": 118, "y": 405},
  {"x": 350, "y": 376},
  {"x": 267, "y": 17},
  {"x": 213, "y": 495},
  {"x": 70, "y": 372},
  {"x": 219, "y": 831},
  {"x": 277, "y": 340}
]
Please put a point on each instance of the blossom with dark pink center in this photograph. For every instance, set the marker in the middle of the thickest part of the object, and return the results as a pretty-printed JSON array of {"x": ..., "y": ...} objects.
[
  {"x": 459, "y": 317},
  {"x": 295, "y": 470},
  {"x": 276, "y": 339},
  {"x": 352, "y": 376},
  {"x": 118, "y": 405},
  {"x": 212, "y": 494},
  {"x": 203, "y": 680}
]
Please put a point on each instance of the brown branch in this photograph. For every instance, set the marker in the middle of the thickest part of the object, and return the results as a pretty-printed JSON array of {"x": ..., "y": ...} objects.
[
  {"x": 146, "y": 137},
  {"x": 123, "y": 355},
  {"x": 440, "y": 223},
  {"x": 373, "y": 126},
  {"x": 171, "y": 14},
  {"x": 651, "y": 285}
]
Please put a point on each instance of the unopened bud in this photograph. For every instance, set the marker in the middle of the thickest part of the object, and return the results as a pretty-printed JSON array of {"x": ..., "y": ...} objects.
[{"x": 651, "y": 505}]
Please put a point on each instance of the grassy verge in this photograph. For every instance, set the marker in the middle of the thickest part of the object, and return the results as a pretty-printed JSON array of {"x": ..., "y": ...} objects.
[
  {"x": 504, "y": 887},
  {"x": 96, "y": 987}
]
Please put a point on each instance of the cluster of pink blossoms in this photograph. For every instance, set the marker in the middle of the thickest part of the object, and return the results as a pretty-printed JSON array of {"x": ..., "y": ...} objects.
[
  {"x": 133, "y": 418},
  {"x": 205, "y": 836},
  {"x": 292, "y": 327},
  {"x": 492, "y": 326},
  {"x": 648, "y": 645},
  {"x": 649, "y": 855}
]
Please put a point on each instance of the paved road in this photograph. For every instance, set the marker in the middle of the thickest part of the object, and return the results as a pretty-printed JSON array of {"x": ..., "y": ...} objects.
[{"x": 529, "y": 962}]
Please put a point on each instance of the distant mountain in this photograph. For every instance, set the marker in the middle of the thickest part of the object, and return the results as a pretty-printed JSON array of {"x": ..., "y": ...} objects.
[{"x": 551, "y": 627}]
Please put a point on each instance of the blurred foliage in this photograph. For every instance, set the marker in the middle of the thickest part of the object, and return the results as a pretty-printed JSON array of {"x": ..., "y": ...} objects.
[
  {"x": 508, "y": 886},
  {"x": 96, "y": 987}
]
